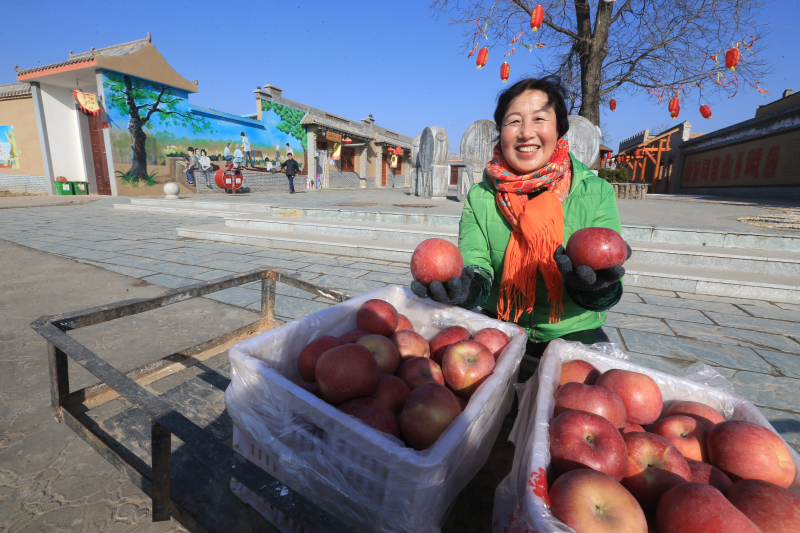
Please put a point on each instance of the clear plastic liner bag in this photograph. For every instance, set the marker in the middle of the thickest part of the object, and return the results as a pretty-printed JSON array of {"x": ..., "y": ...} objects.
[{"x": 521, "y": 504}]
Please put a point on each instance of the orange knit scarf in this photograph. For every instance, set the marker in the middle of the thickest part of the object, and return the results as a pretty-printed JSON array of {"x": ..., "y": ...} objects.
[{"x": 538, "y": 229}]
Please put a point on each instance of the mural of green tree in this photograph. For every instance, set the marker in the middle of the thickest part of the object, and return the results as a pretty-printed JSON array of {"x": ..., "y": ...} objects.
[
  {"x": 145, "y": 102},
  {"x": 290, "y": 124}
]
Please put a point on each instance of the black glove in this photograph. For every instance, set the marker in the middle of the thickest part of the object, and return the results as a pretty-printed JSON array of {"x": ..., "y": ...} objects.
[
  {"x": 453, "y": 292},
  {"x": 584, "y": 278}
]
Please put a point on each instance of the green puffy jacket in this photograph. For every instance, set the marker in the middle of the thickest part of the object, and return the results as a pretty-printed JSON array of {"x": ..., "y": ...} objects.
[{"x": 484, "y": 234}]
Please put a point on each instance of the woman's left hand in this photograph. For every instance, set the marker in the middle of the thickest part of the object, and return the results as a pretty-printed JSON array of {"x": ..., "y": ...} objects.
[
  {"x": 584, "y": 278},
  {"x": 454, "y": 292}
]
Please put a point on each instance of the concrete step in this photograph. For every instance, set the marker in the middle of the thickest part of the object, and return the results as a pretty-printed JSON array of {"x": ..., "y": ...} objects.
[
  {"x": 744, "y": 239},
  {"x": 412, "y": 234},
  {"x": 716, "y": 258},
  {"x": 281, "y": 240},
  {"x": 784, "y": 289}
]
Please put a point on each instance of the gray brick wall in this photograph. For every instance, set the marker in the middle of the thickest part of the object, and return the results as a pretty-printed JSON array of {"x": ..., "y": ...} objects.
[
  {"x": 346, "y": 180},
  {"x": 255, "y": 181},
  {"x": 20, "y": 183},
  {"x": 397, "y": 181}
]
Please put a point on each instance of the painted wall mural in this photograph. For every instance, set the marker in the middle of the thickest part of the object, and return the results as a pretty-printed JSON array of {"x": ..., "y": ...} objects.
[{"x": 9, "y": 155}]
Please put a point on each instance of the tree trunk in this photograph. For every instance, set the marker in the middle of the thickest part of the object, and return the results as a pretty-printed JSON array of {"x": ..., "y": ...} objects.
[
  {"x": 592, "y": 50},
  {"x": 138, "y": 150}
]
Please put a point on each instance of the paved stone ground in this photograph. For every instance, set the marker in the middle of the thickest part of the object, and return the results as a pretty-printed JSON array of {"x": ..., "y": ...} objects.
[{"x": 50, "y": 480}]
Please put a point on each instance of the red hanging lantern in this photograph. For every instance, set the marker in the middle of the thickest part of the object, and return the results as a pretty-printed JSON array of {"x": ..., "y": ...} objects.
[
  {"x": 505, "y": 70},
  {"x": 674, "y": 114},
  {"x": 732, "y": 58},
  {"x": 638, "y": 153},
  {"x": 398, "y": 151},
  {"x": 674, "y": 104},
  {"x": 483, "y": 55},
  {"x": 537, "y": 17},
  {"x": 705, "y": 111},
  {"x": 347, "y": 140},
  {"x": 613, "y": 105}
]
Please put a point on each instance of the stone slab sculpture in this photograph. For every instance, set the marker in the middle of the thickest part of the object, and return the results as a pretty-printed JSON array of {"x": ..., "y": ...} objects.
[
  {"x": 584, "y": 140},
  {"x": 434, "y": 175},
  {"x": 477, "y": 148},
  {"x": 413, "y": 165}
]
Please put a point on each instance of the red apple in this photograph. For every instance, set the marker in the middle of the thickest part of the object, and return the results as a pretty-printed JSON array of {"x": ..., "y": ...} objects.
[
  {"x": 745, "y": 450},
  {"x": 585, "y": 440},
  {"x": 384, "y": 350},
  {"x": 494, "y": 339},
  {"x": 654, "y": 467},
  {"x": 466, "y": 365},
  {"x": 428, "y": 412},
  {"x": 418, "y": 370},
  {"x": 313, "y": 388},
  {"x": 686, "y": 434},
  {"x": 710, "y": 475},
  {"x": 770, "y": 507},
  {"x": 307, "y": 361},
  {"x": 705, "y": 414},
  {"x": 632, "y": 427},
  {"x": 700, "y": 508},
  {"x": 462, "y": 402},
  {"x": 442, "y": 340},
  {"x": 404, "y": 323},
  {"x": 639, "y": 393},
  {"x": 410, "y": 344},
  {"x": 347, "y": 372},
  {"x": 589, "y": 501},
  {"x": 597, "y": 248},
  {"x": 377, "y": 316},
  {"x": 578, "y": 371},
  {"x": 353, "y": 335},
  {"x": 392, "y": 392},
  {"x": 436, "y": 260},
  {"x": 373, "y": 413},
  {"x": 592, "y": 399}
]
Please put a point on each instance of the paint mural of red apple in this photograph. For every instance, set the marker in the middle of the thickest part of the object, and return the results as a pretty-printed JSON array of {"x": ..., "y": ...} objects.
[
  {"x": 654, "y": 467},
  {"x": 597, "y": 248},
  {"x": 585, "y": 440},
  {"x": 307, "y": 361},
  {"x": 436, "y": 260},
  {"x": 591, "y": 399},
  {"x": 700, "y": 508},
  {"x": 442, "y": 340},
  {"x": 428, "y": 412},
  {"x": 492, "y": 338},
  {"x": 373, "y": 413},
  {"x": 466, "y": 365},
  {"x": 578, "y": 371}
]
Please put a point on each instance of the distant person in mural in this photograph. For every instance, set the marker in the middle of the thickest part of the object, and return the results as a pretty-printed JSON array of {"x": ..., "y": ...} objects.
[
  {"x": 277, "y": 154},
  {"x": 291, "y": 169},
  {"x": 288, "y": 150},
  {"x": 248, "y": 160},
  {"x": 237, "y": 157},
  {"x": 192, "y": 164},
  {"x": 205, "y": 165},
  {"x": 227, "y": 154}
]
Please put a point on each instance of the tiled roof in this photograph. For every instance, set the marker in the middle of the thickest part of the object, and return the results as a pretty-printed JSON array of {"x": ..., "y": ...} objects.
[
  {"x": 352, "y": 129},
  {"x": 15, "y": 89},
  {"x": 111, "y": 51}
]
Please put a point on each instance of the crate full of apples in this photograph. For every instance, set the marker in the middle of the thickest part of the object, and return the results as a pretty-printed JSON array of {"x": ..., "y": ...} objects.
[
  {"x": 379, "y": 409},
  {"x": 611, "y": 446}
]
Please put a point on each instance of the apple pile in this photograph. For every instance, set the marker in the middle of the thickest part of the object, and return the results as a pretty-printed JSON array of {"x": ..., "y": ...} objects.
[
  {"x": 621, "y": 468},
  {"x": 393, "y": 379}
]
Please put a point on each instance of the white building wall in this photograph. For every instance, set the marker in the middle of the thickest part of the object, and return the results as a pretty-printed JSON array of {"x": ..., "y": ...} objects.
[{"x": 63, "y": 134}]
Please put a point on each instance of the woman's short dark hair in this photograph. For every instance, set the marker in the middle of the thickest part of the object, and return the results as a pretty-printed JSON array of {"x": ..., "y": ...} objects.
[{"x": 549, "y": 85}]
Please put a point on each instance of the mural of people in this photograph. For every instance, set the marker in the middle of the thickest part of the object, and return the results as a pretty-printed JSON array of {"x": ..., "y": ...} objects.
[
  {"x": 205, "y": 166},
  {"x": 248, "y": 160},
  {"x": 277, "y": 155},
  {"x": 192, "y": 164},
  {"x": 227, "y": 155},
  {"x": 9, "y": 157}
]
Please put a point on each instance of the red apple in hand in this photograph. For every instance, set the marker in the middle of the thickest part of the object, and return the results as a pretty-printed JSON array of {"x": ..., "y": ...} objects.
[
  {"x": 378, "y": 317},
  {"x": 710, "y": 475},
  {"x": 436, "y": 260},
  {"x": 307, "y": 361},
  {"x": 686, "y": 434},
  {"x": 442, "y": 340},
  {"x": 384, "y": 350},
  {"x": 353, "y": 335},
  {"x": 414, "y": 372},
  {"x": 589, "y": 501},
  {"x": 632, "y": 427},
  {"x": 585, "y": 440},
  {"x": 410, "y": 344},
  {"x": 404, "y": 323},
  {"x": 578, "y": 371},
  {"x": 373, "y": 413},
  {"x": 591, "y": 399},
  {"x": 772, "y": 508},
  {"x": 640, "y": 394},
  {"x": 700, "y": 508},
  {"x": 466, "y": 365},
  {"x": 494, "y": 339},
  {"x": 654, "y": 467},
  {"x": 347, "y": 372},
  {"x": 392, "y": 392},
  {"x": 428, "y": 412},
  {"x": 597, "y": 248},
  {"x": 745, "y": 450},
  {"x": 705, "y": 414}
]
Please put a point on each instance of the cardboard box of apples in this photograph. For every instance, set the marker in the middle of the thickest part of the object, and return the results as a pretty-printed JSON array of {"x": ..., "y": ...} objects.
[
  {"x": 379, "y": 409},
  {"x": 605, "y": 445}
]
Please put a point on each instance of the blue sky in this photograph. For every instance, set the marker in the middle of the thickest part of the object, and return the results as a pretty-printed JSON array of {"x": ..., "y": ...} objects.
[{"x": 390, "y": 59}]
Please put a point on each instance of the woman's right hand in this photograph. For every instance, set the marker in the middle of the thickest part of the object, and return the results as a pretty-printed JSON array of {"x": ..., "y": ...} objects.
[{"x": 454, "y": 292}]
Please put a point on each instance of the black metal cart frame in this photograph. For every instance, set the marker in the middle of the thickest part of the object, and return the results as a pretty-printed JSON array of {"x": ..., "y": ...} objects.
[{"x": 154, "y": 480}]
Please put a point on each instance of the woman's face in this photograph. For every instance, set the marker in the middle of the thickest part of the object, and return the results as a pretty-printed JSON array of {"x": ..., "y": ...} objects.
[{"x": 528, "y": 134}]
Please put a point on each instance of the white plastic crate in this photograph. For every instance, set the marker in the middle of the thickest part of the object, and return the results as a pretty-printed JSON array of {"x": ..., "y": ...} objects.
[
  {"x": 366, "y": 478},
  {"x": 519, "y": 505}
]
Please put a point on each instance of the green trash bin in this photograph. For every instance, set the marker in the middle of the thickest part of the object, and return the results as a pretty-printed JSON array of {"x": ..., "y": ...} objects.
[
  {"x": 65, "y": 188},
  {"x": 80, "y": 187}
]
